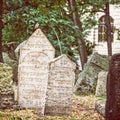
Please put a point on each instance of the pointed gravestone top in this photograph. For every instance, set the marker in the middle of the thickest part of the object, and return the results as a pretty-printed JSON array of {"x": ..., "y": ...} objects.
[
  {"x": 38, "y": 33},
  {"x": 38, "y": 42},
  {"x": 39, "y": 38},
  {"x": 33, "y": 71},
  {"x": 64, "y": 61}
]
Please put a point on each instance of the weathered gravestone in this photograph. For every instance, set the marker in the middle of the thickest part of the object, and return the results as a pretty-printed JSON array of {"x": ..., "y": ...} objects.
[
  {"x": 60, "y": 86},
  {"x": 87, "y": 79},
  {"x": 101, "y": 84},
  {"x": 113, "y": 89},
  {"x": 33, "y": 71}
]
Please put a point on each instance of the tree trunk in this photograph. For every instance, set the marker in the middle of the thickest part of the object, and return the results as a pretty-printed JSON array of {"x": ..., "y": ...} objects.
[
  {"x": 79, "y": 30},
  {"x": 108, "y": 29},
  {"x": 1, "y": 4}
]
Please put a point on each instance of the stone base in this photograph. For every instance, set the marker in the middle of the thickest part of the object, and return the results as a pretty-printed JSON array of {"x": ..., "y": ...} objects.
[
  {"x": 100, "y": 107},
  {"x": 57, "y": 110}
]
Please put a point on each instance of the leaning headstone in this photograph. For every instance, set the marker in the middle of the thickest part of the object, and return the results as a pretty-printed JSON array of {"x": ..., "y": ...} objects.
[
  {"x": 113, "y": 89},
  {"x": 87, "y": 80},
  {"x": 60, "y": 86},
  {"x": 6, "y": 89},
  {"x": 101, "y": 84},
  {"x": 33, "y": 71}
]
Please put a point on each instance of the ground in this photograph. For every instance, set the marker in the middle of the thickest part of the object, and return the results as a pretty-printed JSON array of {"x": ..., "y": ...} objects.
[{"x": 83, "y": 109}]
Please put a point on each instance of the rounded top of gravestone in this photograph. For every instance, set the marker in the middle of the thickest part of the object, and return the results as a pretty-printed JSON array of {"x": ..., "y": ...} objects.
[{"x": 65, "y": 62}]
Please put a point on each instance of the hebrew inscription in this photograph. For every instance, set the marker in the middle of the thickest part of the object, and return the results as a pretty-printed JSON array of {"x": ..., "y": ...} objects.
[
  {"x": 33, "y": 71},
  {"x": 60, "y": 86},
  {"x": 44, "y": 82}
]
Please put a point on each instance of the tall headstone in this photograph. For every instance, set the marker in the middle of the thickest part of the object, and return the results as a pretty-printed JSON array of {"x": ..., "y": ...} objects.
[
  {"x": 113, "y": 89},
  {"x": 33, "y": 71},
  {"x": 60, "y": 86}
]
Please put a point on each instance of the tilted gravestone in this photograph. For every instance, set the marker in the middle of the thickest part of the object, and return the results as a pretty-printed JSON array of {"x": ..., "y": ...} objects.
[
  {"x": 101, "y": 84},
  {"x": 87, "y": 79},
  {"x": 60, "y": 86},
  {"x": 113, "y": 89},
  {"x": 33, "y": 71}
]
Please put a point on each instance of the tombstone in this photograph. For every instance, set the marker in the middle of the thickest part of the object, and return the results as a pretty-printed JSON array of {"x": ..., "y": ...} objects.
[
  {"x": 101, "y": 84},
  {"x": 113, "y": 89},
  {"x": 60, "y": 86},
  {"x": 33, "y": 71}
]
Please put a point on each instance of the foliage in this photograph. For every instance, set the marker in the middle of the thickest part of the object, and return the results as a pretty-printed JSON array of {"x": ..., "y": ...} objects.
[
  {"x": 102, "y": 98},
  {"x": 89, "y": 47},
  {"x": 54, "y": 18},
  {"x": 19, "y": 24}
]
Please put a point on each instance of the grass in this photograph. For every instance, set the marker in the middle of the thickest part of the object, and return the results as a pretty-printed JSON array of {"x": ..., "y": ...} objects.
[{"x": 101, "y": 98}]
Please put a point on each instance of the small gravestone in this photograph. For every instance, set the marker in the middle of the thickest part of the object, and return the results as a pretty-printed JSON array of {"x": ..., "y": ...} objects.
[
  {"x": 113, "y": 89},
  {"x": 101, "y": 84},
  {"x": 33, "y": 71},
  {"x": 60, "y": 86}
]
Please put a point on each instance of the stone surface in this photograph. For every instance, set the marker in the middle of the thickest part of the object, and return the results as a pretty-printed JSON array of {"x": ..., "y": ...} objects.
[
  {"x": 101, "y": 84},
  {"x": 60, "y": 86},
  {"x": 8, "y": 60},
  {"x": 113, "y": 89},
  {"x": 17, "y": 50},
  {"x": 100, "y": 107},
  {"x": 9, "y": 49},
  {"x": 87, "y": 80},
  {"x": 11, "y": 62},
  {"x": 33, "y": 71},
  {"x": 44, "y": 82},
  {"x": 6, "y": 90}
]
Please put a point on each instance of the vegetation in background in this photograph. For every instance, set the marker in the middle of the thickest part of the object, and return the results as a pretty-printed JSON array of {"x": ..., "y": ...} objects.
[
  {"x": 56, "y": 19},
  {"x": 53, "y": 17}
]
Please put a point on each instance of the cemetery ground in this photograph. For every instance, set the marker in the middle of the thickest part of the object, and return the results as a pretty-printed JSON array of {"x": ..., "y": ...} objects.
[
  {"x": 83, "y": 109},
  {"x": 45, "y": 83}
]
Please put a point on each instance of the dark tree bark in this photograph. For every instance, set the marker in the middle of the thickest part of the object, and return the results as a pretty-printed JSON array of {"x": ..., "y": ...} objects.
[
  {"x": 79, "y": 37},
  {"x": 108, "y": 29},
  {"x": 1, "y": 4}
]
